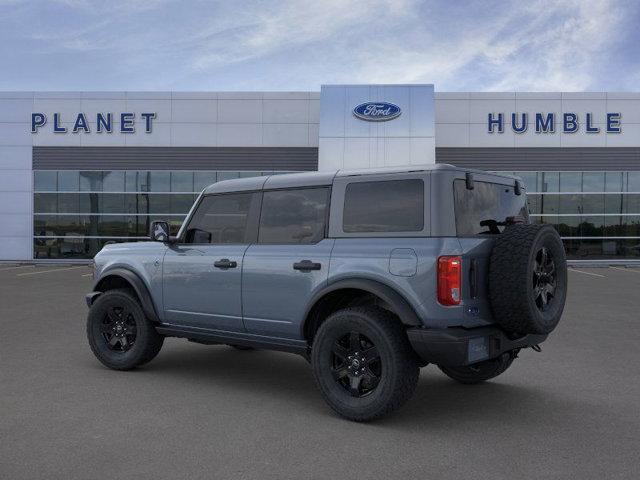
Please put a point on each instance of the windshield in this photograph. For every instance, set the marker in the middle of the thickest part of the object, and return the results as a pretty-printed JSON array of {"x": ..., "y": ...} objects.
[{"x": 485, "y": 209}]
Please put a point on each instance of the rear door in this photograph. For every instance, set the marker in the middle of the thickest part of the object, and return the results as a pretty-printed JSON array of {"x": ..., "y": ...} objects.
[
  {"x": 480, "y": 215},
  {"x": 289, "y": 262},
  {"x": 202, "y": 276}
]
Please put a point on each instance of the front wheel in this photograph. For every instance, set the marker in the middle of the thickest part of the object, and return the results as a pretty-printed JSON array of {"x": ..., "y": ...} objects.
[
  {"x": 119, "y": 333},
  {"x": 363, "y": 363},
  {"x": 480, "y": 372}
]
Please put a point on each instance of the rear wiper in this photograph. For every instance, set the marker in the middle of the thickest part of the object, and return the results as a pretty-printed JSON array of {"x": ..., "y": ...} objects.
[{"x": 494, "y": 224}]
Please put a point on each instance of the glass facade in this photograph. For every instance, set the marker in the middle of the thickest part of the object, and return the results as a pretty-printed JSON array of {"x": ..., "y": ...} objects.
[
  {"x": 77, "y": 212},
  {"x": 596, "y": 213}
]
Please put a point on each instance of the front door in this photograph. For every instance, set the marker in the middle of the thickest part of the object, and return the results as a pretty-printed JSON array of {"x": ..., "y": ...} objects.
[
  {"x": 289, "y": 262},
  {"x": 202, "y": 273}
]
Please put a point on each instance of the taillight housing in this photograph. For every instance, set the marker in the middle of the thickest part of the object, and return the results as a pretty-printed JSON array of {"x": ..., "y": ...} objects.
[{"x": 449, "y": 280}]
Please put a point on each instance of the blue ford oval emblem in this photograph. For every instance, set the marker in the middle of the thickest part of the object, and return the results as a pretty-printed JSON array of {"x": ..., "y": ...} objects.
[{"x": 377, "y": 111}]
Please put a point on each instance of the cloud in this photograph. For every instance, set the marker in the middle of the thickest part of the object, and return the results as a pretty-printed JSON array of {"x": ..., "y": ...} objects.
[
  {"x": 297, "y": 45},
  {"x": 561, "y": 49},
  {"x": 260, "y": 32},
  {"x": 536, "y": 46}
]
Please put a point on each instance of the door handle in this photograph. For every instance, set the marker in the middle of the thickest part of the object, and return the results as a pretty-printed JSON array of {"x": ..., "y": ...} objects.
[
  {"x": 225, "y": 263},
  {"x": 306, "y": 265}
]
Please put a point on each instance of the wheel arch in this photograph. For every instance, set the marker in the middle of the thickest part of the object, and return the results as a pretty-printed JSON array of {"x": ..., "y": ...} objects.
[
  {"x": 125, "y": 278},
  {"x": 394, "y": 300}
]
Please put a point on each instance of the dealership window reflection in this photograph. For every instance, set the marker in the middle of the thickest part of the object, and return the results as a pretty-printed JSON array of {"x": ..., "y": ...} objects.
[
  {"x": 77, "y": 212},
  {"x": 597, "y": 213}
]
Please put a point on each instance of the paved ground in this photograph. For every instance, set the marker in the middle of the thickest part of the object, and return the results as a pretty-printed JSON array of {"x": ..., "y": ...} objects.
[{"x": 213, "y": 412}]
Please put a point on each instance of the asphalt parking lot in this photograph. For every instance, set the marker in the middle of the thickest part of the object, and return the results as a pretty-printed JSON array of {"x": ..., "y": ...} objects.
[{"x": 572, "y": 411}]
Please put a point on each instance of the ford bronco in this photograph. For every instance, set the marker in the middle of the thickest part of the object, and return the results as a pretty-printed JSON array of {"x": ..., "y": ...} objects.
[{"x": 370, "y": 275}]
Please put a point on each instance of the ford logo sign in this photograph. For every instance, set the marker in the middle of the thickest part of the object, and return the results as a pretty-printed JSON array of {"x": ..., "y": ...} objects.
[{"x": 377, "y": 111}]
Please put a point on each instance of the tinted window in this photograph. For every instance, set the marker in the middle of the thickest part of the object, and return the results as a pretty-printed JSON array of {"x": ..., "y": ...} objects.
[
  {"x": 593, "y": 182},
  {"x": 202, "y": 180},
  {"x": 487, "y": 202},
  {"x": 159, "y": 182},
  {"x": 293, "y": 216},
  {"x": 182, "y": 181},
  {"x": 111, "y": 181},
  {"x": 45, "y": 181},
  {"x": 613, "y": 182},
  {"x": 91, "y": 181},
  {"x": 68, "y": 181},
  {"x": 633, "y": 184},
  {"x": 220, "y": 219},
  {"x": 549, "y": 182},
  {"x": 388, "y": 206},
  {"x": 571, "y": 182}
]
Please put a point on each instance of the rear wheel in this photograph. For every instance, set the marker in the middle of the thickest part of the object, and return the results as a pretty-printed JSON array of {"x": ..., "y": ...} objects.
[
  {"x": 363, "y": 363},
  {"x": 119, "y": 334},
  {"x": 482, "y": 371}
]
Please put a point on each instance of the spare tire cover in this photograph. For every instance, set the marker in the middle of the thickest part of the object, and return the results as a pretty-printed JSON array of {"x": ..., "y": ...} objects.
[{"x": 528, "y": 279}]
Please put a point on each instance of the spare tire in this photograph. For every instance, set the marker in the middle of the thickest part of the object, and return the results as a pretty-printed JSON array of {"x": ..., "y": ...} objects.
[{"x": 528, "y": 279}]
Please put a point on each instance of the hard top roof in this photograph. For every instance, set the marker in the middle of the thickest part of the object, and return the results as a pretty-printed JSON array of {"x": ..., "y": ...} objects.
[{"x": 310, "y": 179}]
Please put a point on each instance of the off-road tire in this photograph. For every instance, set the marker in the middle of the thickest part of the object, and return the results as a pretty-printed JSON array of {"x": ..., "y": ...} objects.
[
  {"x": 148, "y": 341},
  {"x": 398, "y": 362},
  {"x": 480, "y": 372},
  {"x": 513, "y": 273}
]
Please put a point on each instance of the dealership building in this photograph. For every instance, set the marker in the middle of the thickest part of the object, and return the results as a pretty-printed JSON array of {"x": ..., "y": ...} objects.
[{"x": 79, "y": 169}]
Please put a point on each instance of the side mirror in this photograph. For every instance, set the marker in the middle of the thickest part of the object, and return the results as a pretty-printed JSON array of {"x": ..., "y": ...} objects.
[{"x": 159, "y": 231}]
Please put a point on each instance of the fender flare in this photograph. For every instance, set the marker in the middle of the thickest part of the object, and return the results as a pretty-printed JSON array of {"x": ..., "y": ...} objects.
[
  {"x": 397, "y": 302},
  {"x": 138, "y": 286}
]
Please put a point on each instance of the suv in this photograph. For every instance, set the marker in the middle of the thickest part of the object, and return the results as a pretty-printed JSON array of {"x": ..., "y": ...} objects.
[{"x": 370, "y": 275}]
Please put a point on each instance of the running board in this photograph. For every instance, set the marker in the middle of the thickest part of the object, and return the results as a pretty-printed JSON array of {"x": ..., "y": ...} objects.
[{"x": 299, "y": 347}]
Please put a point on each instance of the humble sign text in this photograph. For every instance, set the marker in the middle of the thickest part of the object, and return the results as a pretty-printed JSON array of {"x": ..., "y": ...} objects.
[{"x": 551, "y": 122}]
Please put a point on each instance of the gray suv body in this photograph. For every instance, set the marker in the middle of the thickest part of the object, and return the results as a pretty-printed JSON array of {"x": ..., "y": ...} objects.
[{"x": 399, "y": 263}]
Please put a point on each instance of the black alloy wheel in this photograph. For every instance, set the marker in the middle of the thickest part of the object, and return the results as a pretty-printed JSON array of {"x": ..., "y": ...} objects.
[
  {"x": 363, "y": 362},
  {"x": 544, "y": 279},
  {"x": 356, "y": 364},
  {"x": 119, "y": 328},
  {"x": 119, "y": 333}
]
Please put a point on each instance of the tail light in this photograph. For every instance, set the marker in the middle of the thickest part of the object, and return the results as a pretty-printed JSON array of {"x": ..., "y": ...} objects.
[{"x": 449, "y": 280}]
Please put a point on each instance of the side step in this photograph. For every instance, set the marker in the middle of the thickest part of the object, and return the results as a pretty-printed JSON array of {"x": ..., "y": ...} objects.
[{"x": 212, "y": 337}]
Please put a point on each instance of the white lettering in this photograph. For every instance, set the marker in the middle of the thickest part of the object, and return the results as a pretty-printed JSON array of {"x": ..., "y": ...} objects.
[{"x": 376, "y": 111}]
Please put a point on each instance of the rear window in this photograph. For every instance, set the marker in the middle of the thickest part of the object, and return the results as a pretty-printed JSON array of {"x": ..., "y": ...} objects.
[
  {"x": 485, "y": 207},
  {"x": 384, "y": 206}
]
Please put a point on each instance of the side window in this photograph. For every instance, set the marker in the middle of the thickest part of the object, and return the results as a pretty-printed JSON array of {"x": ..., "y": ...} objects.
[
  {"x": 221, "y": 219},
  {"x": 384, "y": 206},
  {"x": 293, "y": 216}
]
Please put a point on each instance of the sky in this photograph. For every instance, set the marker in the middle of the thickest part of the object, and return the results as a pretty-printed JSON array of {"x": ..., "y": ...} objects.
[{"x": 185, "y": 45}]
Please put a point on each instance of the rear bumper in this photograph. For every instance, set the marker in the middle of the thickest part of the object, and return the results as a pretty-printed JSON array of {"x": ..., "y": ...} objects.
[{"x": 456, "y": 347}]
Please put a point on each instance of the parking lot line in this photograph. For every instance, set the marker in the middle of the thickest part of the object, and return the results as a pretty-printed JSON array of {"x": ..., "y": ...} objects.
[
  {"x": 87, "y": 274},
  {"x": 49, "y": 271},
  {"x": 14, "y": 268},
  {"x": 587, "y": 273},
  {"x": 632, "y": 270}
]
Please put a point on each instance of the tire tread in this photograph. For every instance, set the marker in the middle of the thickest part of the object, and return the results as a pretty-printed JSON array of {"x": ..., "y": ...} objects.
[
  {"x": 508, "y": 267},
  {"x": 408, "y": 366},
  {"x": 150, "y": 348}
]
